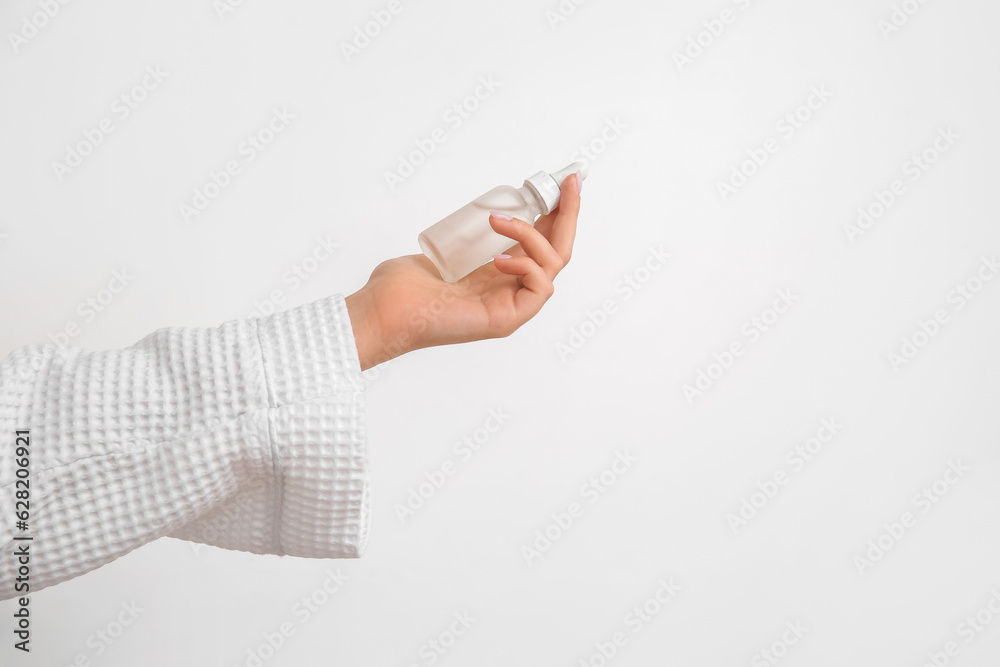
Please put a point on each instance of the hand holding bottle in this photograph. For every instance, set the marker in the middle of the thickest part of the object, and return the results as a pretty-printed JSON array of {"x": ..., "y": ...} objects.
[{"x": 406, "y": 305}]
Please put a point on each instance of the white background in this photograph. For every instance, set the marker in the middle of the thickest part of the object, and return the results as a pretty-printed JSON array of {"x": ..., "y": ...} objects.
[{"x": 684, "y": 127}]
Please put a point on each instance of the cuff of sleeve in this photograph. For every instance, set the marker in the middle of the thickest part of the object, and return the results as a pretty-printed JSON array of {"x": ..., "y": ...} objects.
[{"x": 316, "y": 430}]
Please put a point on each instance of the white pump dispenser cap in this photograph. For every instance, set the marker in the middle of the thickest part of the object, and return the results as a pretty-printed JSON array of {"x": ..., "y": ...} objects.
[{"x": 546, "y": 185}]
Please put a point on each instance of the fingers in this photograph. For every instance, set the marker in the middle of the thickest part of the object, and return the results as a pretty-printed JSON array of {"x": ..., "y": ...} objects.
[
  {"x": 532, "y": 242},
  {"x": 546, "y": 249},
  {"x": 563, "y": 231},
  {"x": 537, "y": 284}
]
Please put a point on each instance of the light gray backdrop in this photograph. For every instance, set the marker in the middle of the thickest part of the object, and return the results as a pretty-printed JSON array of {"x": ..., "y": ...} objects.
[{"x": 781, "y": 318}]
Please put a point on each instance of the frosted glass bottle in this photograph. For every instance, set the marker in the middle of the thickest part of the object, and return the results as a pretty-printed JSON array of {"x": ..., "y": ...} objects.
[{"x": 462, "y": 242}]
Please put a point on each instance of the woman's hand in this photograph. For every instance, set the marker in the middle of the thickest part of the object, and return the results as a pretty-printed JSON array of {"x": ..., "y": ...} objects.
[{"x": 406, "y": 305}]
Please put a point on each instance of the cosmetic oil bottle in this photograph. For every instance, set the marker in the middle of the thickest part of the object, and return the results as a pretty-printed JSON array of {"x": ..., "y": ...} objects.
[{"x": 463, "y": 241}]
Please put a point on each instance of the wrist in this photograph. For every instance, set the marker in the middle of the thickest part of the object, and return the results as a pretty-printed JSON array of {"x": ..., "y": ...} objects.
[
  {"x": 368, "y": 334},
  {"x": 358, "y": 309}
]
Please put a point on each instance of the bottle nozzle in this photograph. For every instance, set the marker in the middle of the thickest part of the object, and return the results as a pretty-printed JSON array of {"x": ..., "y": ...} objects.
[{"x": 548, "y": 186}]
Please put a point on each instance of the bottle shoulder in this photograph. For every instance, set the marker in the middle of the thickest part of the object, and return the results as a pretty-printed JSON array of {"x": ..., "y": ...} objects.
[
  {"x": 508, "y": 199},
  {"x": 499, "y": 193}
]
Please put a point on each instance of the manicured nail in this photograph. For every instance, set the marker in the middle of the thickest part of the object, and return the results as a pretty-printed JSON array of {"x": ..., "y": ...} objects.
[
  {"x": 579, "y": 182},
  {"x": 498, "y": 214},
  {"x": 501, "y": 256}
]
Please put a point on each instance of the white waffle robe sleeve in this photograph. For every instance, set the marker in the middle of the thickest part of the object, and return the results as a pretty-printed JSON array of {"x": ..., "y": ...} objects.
[{"x": 247, "y": 436}]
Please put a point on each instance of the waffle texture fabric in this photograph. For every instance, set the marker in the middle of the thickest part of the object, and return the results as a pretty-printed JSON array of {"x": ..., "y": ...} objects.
[{"x": 246, "y": 436}]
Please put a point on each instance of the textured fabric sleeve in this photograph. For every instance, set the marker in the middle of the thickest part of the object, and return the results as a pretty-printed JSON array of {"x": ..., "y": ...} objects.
[{"x": 247, "y": 436}]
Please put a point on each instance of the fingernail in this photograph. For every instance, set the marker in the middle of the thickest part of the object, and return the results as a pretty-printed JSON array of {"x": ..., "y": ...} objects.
[
  {"x": 501, "y": 256},
  {"x": 498, "y": 214},
  {"x": 579, "y": 182}
]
